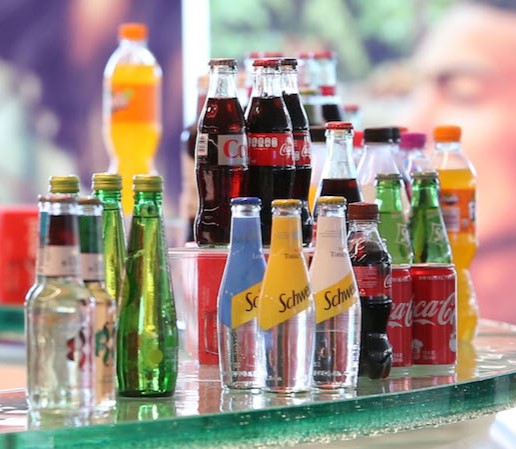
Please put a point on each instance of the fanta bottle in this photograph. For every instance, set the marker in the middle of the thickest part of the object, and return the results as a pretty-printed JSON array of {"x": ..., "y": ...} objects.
[
  {"x": 458, "y": 203},
  {"x": 132, "y": 107}
]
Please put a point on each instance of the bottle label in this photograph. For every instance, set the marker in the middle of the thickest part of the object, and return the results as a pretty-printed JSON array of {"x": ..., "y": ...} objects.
[
  {"x": 222, "y": 149},
  {"x": 59, "y": 261},
  {"x": 459, "y": 210},
  {"x": 92, "y": 267},
  {"x": 271, "y": 149},
  {"x": 335, "y": 299},
  {"x": 244, "y": 306},
  {"x": 373, "y": 280},
  {"x": 302, "y": 148},
  {"x": 286, "y": 290},
  {"x": 135, "y": 102},
  {"x": 437, "y": 230}
]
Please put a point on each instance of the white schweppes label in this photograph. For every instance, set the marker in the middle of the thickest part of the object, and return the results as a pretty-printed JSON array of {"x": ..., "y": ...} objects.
[{"x": 335, "y": 299}]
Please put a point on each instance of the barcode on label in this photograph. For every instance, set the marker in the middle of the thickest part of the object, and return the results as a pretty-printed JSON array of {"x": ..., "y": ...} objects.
[{"x": 202, "y": 145}]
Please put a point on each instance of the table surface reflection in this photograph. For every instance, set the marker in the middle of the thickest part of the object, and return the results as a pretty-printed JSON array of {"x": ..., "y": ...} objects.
[{"x": 202, "y": 414}]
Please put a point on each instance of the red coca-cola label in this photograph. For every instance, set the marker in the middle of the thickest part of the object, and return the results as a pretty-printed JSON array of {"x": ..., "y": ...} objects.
[
  {"x": 373, "y": 280},
  {"x": 434, "y": 337},
  {"x": 302, "y": 148},
  {"x": 399, "y": 330},
  {"x": 271, "y": 149}
]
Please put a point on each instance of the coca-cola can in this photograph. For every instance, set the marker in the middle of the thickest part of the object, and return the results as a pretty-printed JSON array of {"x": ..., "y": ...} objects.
[
  {"x": 399, "y": 327},
  {"x": 434, "y": 336}
]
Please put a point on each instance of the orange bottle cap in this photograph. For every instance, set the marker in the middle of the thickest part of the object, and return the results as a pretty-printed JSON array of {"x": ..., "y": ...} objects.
[
  {"x": 450, "y": 133},
  {"x": 133, "y": 31}
]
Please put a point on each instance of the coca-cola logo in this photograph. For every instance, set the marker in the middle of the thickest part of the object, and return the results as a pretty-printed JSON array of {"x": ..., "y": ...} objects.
[
  {"x": 305, "y": 151},
  {"x": 234, "y": 149},
  {"x": 287, "y": 148},
  {"x": 435, "y": 312},
  {"x": 401, "y": 315}
]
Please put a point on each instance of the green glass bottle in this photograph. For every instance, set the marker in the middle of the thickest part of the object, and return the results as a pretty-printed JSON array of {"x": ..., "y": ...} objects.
[
  {"x": 392, "y": 225},
  {"x": 426, "y": 225},
  {"x": 107, "y": 187},
  {"x": 147, "y": 342},
  {"x": 92, "y": 267}
]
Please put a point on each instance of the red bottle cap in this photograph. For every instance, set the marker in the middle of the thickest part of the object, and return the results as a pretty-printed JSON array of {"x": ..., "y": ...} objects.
[
  {"x": 339, "y": 125},
  {"x": 273, "y": 62}
]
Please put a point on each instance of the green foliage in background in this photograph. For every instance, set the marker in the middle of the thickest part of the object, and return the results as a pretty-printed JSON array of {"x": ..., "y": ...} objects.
[{"x": 361, "y": 32}]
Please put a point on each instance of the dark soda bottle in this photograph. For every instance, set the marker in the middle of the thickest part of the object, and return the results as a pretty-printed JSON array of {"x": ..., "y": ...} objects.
[
  {"x": 221, "y": 158},
  {"x": 271, "y": 148},
  {"x": 302, "y": 143},
  {"x": 372, "y": 268}
]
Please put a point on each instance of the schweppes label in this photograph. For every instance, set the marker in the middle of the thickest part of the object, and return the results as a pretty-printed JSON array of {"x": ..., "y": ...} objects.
[
  {"x": 244, "y": 305},
  {"x": 335, "y": 299}
]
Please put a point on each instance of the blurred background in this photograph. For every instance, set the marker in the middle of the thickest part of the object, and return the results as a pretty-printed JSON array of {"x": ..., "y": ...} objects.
[{"x": 416, "y": 64}]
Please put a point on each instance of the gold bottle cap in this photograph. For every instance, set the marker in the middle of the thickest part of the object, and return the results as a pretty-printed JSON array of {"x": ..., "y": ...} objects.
[
  {"x": 89, "y": 201},
  {"x": 334, "y": 200},
  {"x": 286, "y": 203},
  {"x": 106, "y": 181},
  {"x": 388, "y": 177},
  {"x": 425, "y": 174},
  {"x": 64, "y": 184},
  {"x": 147, "y": 183}
]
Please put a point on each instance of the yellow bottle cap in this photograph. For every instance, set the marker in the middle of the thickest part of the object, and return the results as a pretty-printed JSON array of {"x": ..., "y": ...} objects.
[
  {"x": 334, "y": 200},
  {"x": 64, "y": 184},
  {"x": 106, "y": 181},
  {"x": 286, "y": 203},
  {"x": 147, "y": 183}
]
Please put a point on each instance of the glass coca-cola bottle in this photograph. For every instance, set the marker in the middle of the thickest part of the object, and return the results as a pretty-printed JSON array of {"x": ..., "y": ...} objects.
[
  {"x": 372, "y": 268},
  {"x": 221, "y": 158},
  {"x": 302, "y": 142},
  {"x": 271, "y": 147}
]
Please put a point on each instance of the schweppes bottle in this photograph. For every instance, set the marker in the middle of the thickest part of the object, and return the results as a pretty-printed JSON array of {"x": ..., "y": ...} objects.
[
  {"x": 286, "y": 311},
  {"x": 337, "y": 304},
  {"x": 241, "y": 356}
]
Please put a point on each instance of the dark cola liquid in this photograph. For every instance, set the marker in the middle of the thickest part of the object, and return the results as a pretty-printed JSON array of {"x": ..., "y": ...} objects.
[
  {"x": 303, "y": 172},
  {"x": 375, "y": 349},
  {"x": 62, "y": 230},
  {"x": 217, "y": 184},
  {"x": 346, "y": 187},
  {"x": 269, "y": 115}
]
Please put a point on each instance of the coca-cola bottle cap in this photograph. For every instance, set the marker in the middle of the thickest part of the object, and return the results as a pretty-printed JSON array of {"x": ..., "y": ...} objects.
[
  {"x": 358, "y": 138},
  {"x": 231, "y": 62},
  {"x": 363, "y": 211},
  {"x": 339, "y": 125},
  {"x": 324, "y": 54},
  {"x": 272, "y": 62}
]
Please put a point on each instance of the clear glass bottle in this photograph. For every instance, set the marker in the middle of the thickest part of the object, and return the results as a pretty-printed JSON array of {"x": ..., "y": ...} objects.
[
  {"x": 372, "y": 267},
  {"x": 59, "y": 323},
  {"x": 107, "y": 188},
  {"x": 93, "y": 275},
  {"x": 392, "y": 225},
  {"x": 339, "y": 175},
  {"x": 147, "y": 338},
  {"x": 337, "y": 304},
  {"x": 458, "y": 181},
  {"x": 286, "y": 310},
  {"x": 241, "y": 351},
  {"x": 302, "y": 142},
  {"x": 426, "y": 225},
  {"x": 221, "y": 155}
]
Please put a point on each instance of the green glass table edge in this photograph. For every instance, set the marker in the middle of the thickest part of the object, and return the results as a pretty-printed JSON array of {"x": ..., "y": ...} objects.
[{"x": 320, "y": 422}]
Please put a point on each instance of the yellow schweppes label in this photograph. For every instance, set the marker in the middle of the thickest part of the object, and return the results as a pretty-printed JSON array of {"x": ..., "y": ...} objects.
[
  {"x": 335, "y": 299},
  {"x": 244, "y": 305}
]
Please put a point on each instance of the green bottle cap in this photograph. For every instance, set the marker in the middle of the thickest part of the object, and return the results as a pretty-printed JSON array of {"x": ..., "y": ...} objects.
[
  {"x": 64, "y": 184},
  {"x": 147, "y": 183},
  {"x": 106, "y": 181}
]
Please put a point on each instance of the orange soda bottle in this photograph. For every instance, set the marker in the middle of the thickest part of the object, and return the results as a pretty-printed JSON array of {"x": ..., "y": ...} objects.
[
  {"x": 458, "y": 203},
  {"x": 132, "y": 108}
]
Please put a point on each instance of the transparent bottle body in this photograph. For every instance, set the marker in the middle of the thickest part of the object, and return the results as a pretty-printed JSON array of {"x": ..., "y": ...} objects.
[{"x": 337, "y": 339}]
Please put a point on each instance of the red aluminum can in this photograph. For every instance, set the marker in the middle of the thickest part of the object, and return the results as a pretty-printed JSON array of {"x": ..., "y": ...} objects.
[
  {"x": 434, "y": 336},
  {"x": 399, "y": 327}
]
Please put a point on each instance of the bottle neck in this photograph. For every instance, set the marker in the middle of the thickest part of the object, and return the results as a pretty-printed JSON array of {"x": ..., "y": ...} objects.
[
  {"x": 388, "y": 194},
  {"x": 369, "y": 228},
  {"x": 425, "y": 194},
  {"x": 148, "y": 204},
  {"x": 111, "y": 199},
  {"x": 133, "y": 43},
  {"x": 289, "y": 81},
  {"x": 286, "y": 232},
  {"x": 339, "y": 144},
  {"x": 245, "y": 227},
  {"x": 222, "y": 82},
  {"x": 331, "y": 231},
  {"x": 266, "y": 82},
  {"x": 451, "y": 147},
  {"x": 91, "y": 243}
]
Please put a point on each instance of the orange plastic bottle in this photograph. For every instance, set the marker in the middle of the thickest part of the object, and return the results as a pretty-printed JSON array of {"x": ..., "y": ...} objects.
[
  {"x": 458, "y": 203},
  {"x": 132, "y": 107}
]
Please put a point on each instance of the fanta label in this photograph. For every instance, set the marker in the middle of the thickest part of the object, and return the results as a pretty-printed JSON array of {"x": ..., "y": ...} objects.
[
  {"x": 135, "y": 102},
  {"x": 459, "y": 209}
]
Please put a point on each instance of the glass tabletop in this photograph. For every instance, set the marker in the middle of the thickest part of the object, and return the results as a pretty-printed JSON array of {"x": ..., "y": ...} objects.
[{"x": 201, "y": 414}]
